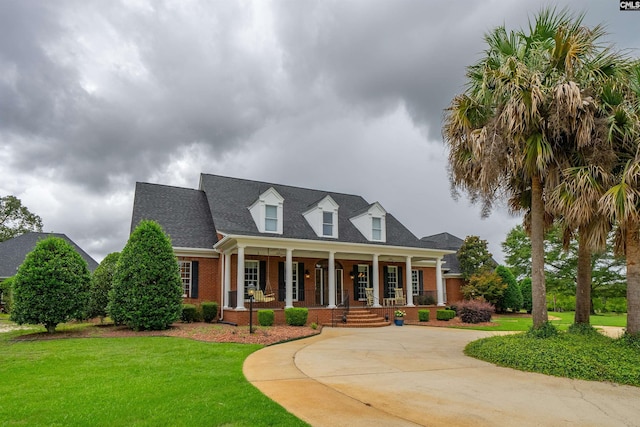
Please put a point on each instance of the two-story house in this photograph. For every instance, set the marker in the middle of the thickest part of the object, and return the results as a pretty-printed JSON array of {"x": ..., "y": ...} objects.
[{"x": 297, "y": 246}]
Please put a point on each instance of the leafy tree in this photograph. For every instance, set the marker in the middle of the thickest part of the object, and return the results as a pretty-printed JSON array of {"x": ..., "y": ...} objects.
[
  {"x": 51, "y": 286},
  {"x": 512, "y": 296},
  {"x": 527, "y": 300},
  {"x": 147, "y": 290},
  {"x": 474, "y": 257},
  {"x": 16, "y": 219},
  {"x": 101, "y": 284},
  {"x": 485, "y": 286},
  {"x": 527, "y": 108},
  {"x": 607, "y": 269}
]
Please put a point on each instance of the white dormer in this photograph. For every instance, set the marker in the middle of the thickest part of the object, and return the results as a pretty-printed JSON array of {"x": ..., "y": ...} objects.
[
  {"x": 267, "y": 212},
  {"x": 372, "y": 223},
  {"x": 323, "y": 218}
]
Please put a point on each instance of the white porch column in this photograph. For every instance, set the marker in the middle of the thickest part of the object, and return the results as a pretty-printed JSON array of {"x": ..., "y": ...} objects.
[
  {"x": 289, "y": 279},
  {"x": 409, "y": 283},
  {"x": 439, "y": 288},
  {"x": 376, "y": 282},
  {"x": 240, "y": 280},
  {"x": 226, "y": 283},
  {"x": 332, "y": 279}
]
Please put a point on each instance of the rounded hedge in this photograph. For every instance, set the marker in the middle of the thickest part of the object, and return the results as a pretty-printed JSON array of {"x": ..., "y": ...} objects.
[
  {"x": 101, "y": 284},
  {"x": 51, "y": 286}
]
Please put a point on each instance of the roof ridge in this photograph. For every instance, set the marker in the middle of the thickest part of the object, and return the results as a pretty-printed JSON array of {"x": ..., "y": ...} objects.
[{"x": 297, "y": 187}]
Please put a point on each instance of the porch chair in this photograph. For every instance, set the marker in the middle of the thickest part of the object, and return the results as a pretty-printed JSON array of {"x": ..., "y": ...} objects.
[
  {"x": 399, "y": 297},
  {"x": 259, "y": 296},
  {"x": 368, "y": 292}
]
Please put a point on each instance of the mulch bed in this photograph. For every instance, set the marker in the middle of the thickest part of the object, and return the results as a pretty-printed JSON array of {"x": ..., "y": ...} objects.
[
  {"x": 214, "y": 332},
  {"x": 210, "y": 332}
]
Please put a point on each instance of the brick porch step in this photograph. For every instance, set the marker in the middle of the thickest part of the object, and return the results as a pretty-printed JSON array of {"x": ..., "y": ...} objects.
[{"x": 362, "y": 318}]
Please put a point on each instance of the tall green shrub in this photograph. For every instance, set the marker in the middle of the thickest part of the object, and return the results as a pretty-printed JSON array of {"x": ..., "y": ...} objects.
[
  {"x": 101, "y": 284},
  {"x": 51, "y": 286},
  {"x": 527, "y": 300},
  {"x": 147, "y": 290},
  {"x": 512, "y": 296}
]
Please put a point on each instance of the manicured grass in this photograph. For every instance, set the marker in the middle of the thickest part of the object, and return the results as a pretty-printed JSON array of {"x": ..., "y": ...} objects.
[
  {"x": 522, "y": 323},
  {"x": 589, "y": 357},
  {"x": 149, "y": 381}
]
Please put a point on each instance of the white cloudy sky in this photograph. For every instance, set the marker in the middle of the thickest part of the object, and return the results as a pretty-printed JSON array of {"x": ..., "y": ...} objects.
[{"x": 345, "y": 96}]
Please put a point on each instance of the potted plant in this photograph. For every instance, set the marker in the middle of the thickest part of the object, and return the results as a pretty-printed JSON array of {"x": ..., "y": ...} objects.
[{"x": 399, "y": 317}]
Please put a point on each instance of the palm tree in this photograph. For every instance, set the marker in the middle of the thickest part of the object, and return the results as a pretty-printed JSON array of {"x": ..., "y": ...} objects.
[{"x": 514, "y": 129}]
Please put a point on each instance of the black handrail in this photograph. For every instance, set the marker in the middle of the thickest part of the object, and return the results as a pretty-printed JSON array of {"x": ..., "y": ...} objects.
[{"x": 346, "y": 306}]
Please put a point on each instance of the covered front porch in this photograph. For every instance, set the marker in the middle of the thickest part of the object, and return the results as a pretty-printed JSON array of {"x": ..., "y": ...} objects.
[{"x": 326, "y": 275}]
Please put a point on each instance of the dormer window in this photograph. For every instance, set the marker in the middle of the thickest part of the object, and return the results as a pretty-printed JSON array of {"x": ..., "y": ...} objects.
[
  {"x": 327, "y": 224},
  {"x": 323, "y": 217},
  {"x": 376, "y": 228},
  {"x": 271, "y": 218},
  {"x": 267, "y": 212},
  {"x": 371, "y": 222}
]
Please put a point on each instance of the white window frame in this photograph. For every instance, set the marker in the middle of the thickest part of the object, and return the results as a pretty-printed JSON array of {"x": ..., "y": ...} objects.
[
  {"x": 392, "y": 272},
  {"x": 363, "y": 281},
  {"x": 376, "y": 232},
  {"x": 251, "y": 275},
  {"x": 294, "y": 272},
  {"x": 185, "y": 277},
  {"x": 270, "y": 222},
  {"x": 415, "y": 282},
  {"x": 325, "y": 223}
]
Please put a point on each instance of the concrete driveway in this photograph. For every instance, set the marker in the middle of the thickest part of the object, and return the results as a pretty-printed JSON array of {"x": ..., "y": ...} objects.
[{"x": 415, "y": 375}]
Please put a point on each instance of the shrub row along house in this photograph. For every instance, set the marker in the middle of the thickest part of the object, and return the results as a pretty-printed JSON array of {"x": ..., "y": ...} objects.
[{"x": 298, "y": 247}]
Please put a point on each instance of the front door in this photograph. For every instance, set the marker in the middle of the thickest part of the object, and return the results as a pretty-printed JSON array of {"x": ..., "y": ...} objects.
[{"x": 322, "y": 284}]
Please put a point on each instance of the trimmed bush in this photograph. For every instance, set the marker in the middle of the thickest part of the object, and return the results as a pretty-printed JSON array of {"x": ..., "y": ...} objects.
[
  {"x": 147, "y": 289},
  {"x": 51, "y": 286},
  {"x": 266, "y": 317},
  {"x": 475, "y": 311},
  {"x": 527, "y": 299},
  {"x": 209, "y": 311},
  {"x": 512, "y": 296},
  {"x": 423, "y": 315},
  {"x": 189, "y": 313},
  {"x": 296, "y": 316},
  {"x": 101, "y": 283},
  {"x": 445, "y": 314}
]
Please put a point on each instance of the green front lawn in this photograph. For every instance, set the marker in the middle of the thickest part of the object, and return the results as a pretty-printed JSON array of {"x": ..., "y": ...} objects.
[
  {"x": 523, "y": 323},
  {"x": 150, "y": 381}
]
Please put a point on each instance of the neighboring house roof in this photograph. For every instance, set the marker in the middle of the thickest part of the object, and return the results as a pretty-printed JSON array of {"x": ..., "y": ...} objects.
[
  {"x": 446, "y": 241},
  {"x": 14, "y": 251},
  {"x": 229, "y": 199},
  {"x": 183, "y": 213}
]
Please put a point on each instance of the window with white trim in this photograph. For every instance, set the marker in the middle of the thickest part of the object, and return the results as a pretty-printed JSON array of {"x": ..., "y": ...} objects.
[
  {"x": 251, "y": 275},
  {"x": 327, "y": 224},
  {"x": 271, "y": 218},
  {"x": 392, "y": 279},
  {"x": 363, "y": 281},
  {"x": 185, "y": 276},
  {"x": 376, "y": 228},
  {"x": 295, "y": 280},
  {"x": 415, "y": 282}
]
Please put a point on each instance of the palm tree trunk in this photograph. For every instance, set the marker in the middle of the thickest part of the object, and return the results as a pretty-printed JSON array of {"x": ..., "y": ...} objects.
[
  {"x": 583, "y": 284},
  {"x": 633, "y": 279},
  {"x": 538, "y": 289}
]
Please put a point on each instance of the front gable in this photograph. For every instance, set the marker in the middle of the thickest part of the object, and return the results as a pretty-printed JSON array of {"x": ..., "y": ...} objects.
[{"x": 323, "y": 218}]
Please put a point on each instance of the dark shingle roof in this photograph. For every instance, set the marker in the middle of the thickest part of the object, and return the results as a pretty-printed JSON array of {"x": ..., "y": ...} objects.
[
  {"x": 183, "y": 213},
  {"x": 446, "y": 241},
  {"x": 230, "y": 198},
  {"x": 14, "y": 251}
]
